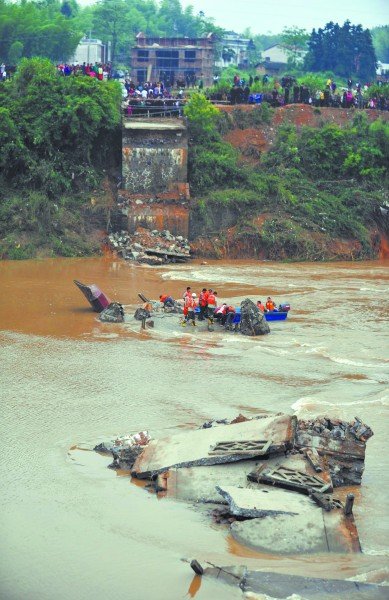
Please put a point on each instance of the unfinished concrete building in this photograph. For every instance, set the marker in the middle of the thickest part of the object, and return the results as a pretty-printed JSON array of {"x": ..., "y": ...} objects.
[{"x": 185, "y": 61}]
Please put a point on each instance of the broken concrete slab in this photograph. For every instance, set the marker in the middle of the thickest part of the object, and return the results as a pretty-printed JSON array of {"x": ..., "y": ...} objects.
[
  {"x": 292, "y": 479},
  {"x": 341, "y": 532},
  {"x": 195, "y": 448},
  {"x": 293, "y": 472},
  {"x": 277, "y": 585},
  {"x": 264, "y": 501},
  {"x": 312, "y": 531},
  {"x": 198, "y": 484}
]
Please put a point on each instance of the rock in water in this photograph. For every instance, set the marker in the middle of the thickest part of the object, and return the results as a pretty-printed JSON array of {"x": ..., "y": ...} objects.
[
  {"x": 141, "y": 313},
  {"x": 114, "y": 313},
  {"x": 252, "y": 320}
]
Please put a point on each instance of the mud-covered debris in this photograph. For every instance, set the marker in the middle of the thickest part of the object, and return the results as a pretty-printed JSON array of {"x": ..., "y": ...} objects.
[
  {"x": 125, "y": 449},
  {"x": 150, "y": 247},
  {"x": 141, "y": 314},
  {"x": 343, "y": 445},
  {"x": 114, "y": 313}
]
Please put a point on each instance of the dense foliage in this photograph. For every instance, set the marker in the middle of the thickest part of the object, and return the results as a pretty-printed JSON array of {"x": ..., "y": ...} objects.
[
  {"x": 57, "y": 135},
  {"x": 380, "y": 37},
  {"x": 316, "y": 185},
  {"x": 52, "y": 28},
  {"x": 36, "y": 29},
  {"x": 346, "y": 50}
]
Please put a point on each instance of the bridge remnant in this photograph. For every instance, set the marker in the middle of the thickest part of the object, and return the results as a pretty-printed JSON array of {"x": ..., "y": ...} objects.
[{"x": 155, "y": 190}]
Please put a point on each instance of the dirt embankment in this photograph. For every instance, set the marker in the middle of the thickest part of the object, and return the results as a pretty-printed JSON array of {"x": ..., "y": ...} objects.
[
  {"x": 252, "y": 142},
  {"x": 220, "y": 234}
]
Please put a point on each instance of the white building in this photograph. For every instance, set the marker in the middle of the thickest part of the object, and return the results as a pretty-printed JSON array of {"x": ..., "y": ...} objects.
[
  {"x": 91, "y": 50},
  {"x": 234, "y": 51},
  {"x": 281, "y": 53},
  {"x": 382, "y": 69}
]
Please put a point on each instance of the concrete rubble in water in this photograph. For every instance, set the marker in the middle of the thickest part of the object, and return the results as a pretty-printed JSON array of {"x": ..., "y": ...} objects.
[
  {"x": 150, "y": 247},
  {"x": 270, "y": 584},
  {"x": 272, "y": 477}
]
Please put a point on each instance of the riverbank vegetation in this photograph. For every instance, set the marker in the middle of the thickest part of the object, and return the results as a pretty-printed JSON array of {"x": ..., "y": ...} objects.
[
  {"x": 59, "y": 137},
  {"x": 316, "y": 186}
]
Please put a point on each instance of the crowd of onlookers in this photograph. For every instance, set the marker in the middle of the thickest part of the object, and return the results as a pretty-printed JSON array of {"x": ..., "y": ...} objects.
[
  {"x": 289, "y": 91},
  {"x": 279, "y": 92},
  {"x": 99, "y": 70}
]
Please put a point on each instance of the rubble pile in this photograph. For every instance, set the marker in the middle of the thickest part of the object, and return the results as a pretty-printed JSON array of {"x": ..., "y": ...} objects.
[
  {"x": 274, "y": 475},
  {"x": 114, "y": 313},
  {"x": 150, "y": 247}
]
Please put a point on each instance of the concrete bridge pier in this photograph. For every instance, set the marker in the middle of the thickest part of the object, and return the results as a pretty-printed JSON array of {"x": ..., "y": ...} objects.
[{"x": 155, "y": 190}]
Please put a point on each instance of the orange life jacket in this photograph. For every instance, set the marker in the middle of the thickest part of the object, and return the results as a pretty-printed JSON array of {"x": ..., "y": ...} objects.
[
  {"x": 211, "y": 299},
  {"x": 203, "y": 298},
  {"x": 164, "y": 297},
  {"x": 270, "y": 305},
  {"x": 190, "y": 303}
]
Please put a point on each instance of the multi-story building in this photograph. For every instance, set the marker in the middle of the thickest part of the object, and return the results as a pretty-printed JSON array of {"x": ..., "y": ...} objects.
[
  {"x": 233, "y": 51},
  {"x": 172, "y": 60},
  {"x": 91, "y": 50}
]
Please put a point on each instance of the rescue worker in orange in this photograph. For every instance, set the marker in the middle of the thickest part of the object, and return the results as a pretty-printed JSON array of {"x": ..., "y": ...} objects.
[
  {"x": 220, "y": 314},
  {"x": 270, "y": 304},
  {"x": 187, "y": 292},
  {"x": 166, "y": 300},
  {"x": 229, "y": 316},
  {"x": 190, "y": 305},
  {"x": 211, "y": 300},
  {"x": 203, "y": 303},
  {"x": 260, "y": 306}
]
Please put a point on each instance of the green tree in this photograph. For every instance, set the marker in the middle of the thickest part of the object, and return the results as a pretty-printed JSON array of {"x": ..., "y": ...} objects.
[
  {"x": 15, "y": 52},
  {"x": 110, "y": 19},
  {"x": 65, "y": 124},
  {"x": 37, "y": 29},
  {"x": 346, "y": 50},
  {"x": 380, "y": 37},
  {"x": 295, "y": 40},
  {"x": 201, "y": 115}
]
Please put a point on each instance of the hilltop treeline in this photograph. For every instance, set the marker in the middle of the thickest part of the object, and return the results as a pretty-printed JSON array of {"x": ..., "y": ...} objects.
[{"x": 53, "y": 28}]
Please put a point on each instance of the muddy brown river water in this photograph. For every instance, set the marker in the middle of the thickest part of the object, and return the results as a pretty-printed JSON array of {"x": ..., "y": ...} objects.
[{"x": 72, "y": 529}]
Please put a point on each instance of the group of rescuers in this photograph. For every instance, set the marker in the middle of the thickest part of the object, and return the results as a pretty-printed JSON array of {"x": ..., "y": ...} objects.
[{"x": 207, "y": 303}]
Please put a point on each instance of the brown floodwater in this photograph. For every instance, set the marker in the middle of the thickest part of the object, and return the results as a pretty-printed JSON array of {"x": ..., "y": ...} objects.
[{"x": 72, "y": 529}]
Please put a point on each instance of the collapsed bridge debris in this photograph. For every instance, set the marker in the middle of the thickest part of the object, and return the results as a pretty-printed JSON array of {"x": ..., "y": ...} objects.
[{"x": 274, "y": 474}]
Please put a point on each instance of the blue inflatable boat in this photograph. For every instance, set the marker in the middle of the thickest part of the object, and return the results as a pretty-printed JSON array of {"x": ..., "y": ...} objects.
[{"x": 271, "y": 315}]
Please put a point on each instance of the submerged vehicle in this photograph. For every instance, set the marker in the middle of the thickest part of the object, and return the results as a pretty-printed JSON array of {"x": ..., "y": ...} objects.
[{"x": 96, "y": 298}]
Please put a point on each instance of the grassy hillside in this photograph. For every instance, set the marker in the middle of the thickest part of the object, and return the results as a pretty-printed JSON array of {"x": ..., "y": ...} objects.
[
  {"x": 314, "y": 195},
  {"x": 59, "y": 136}
]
